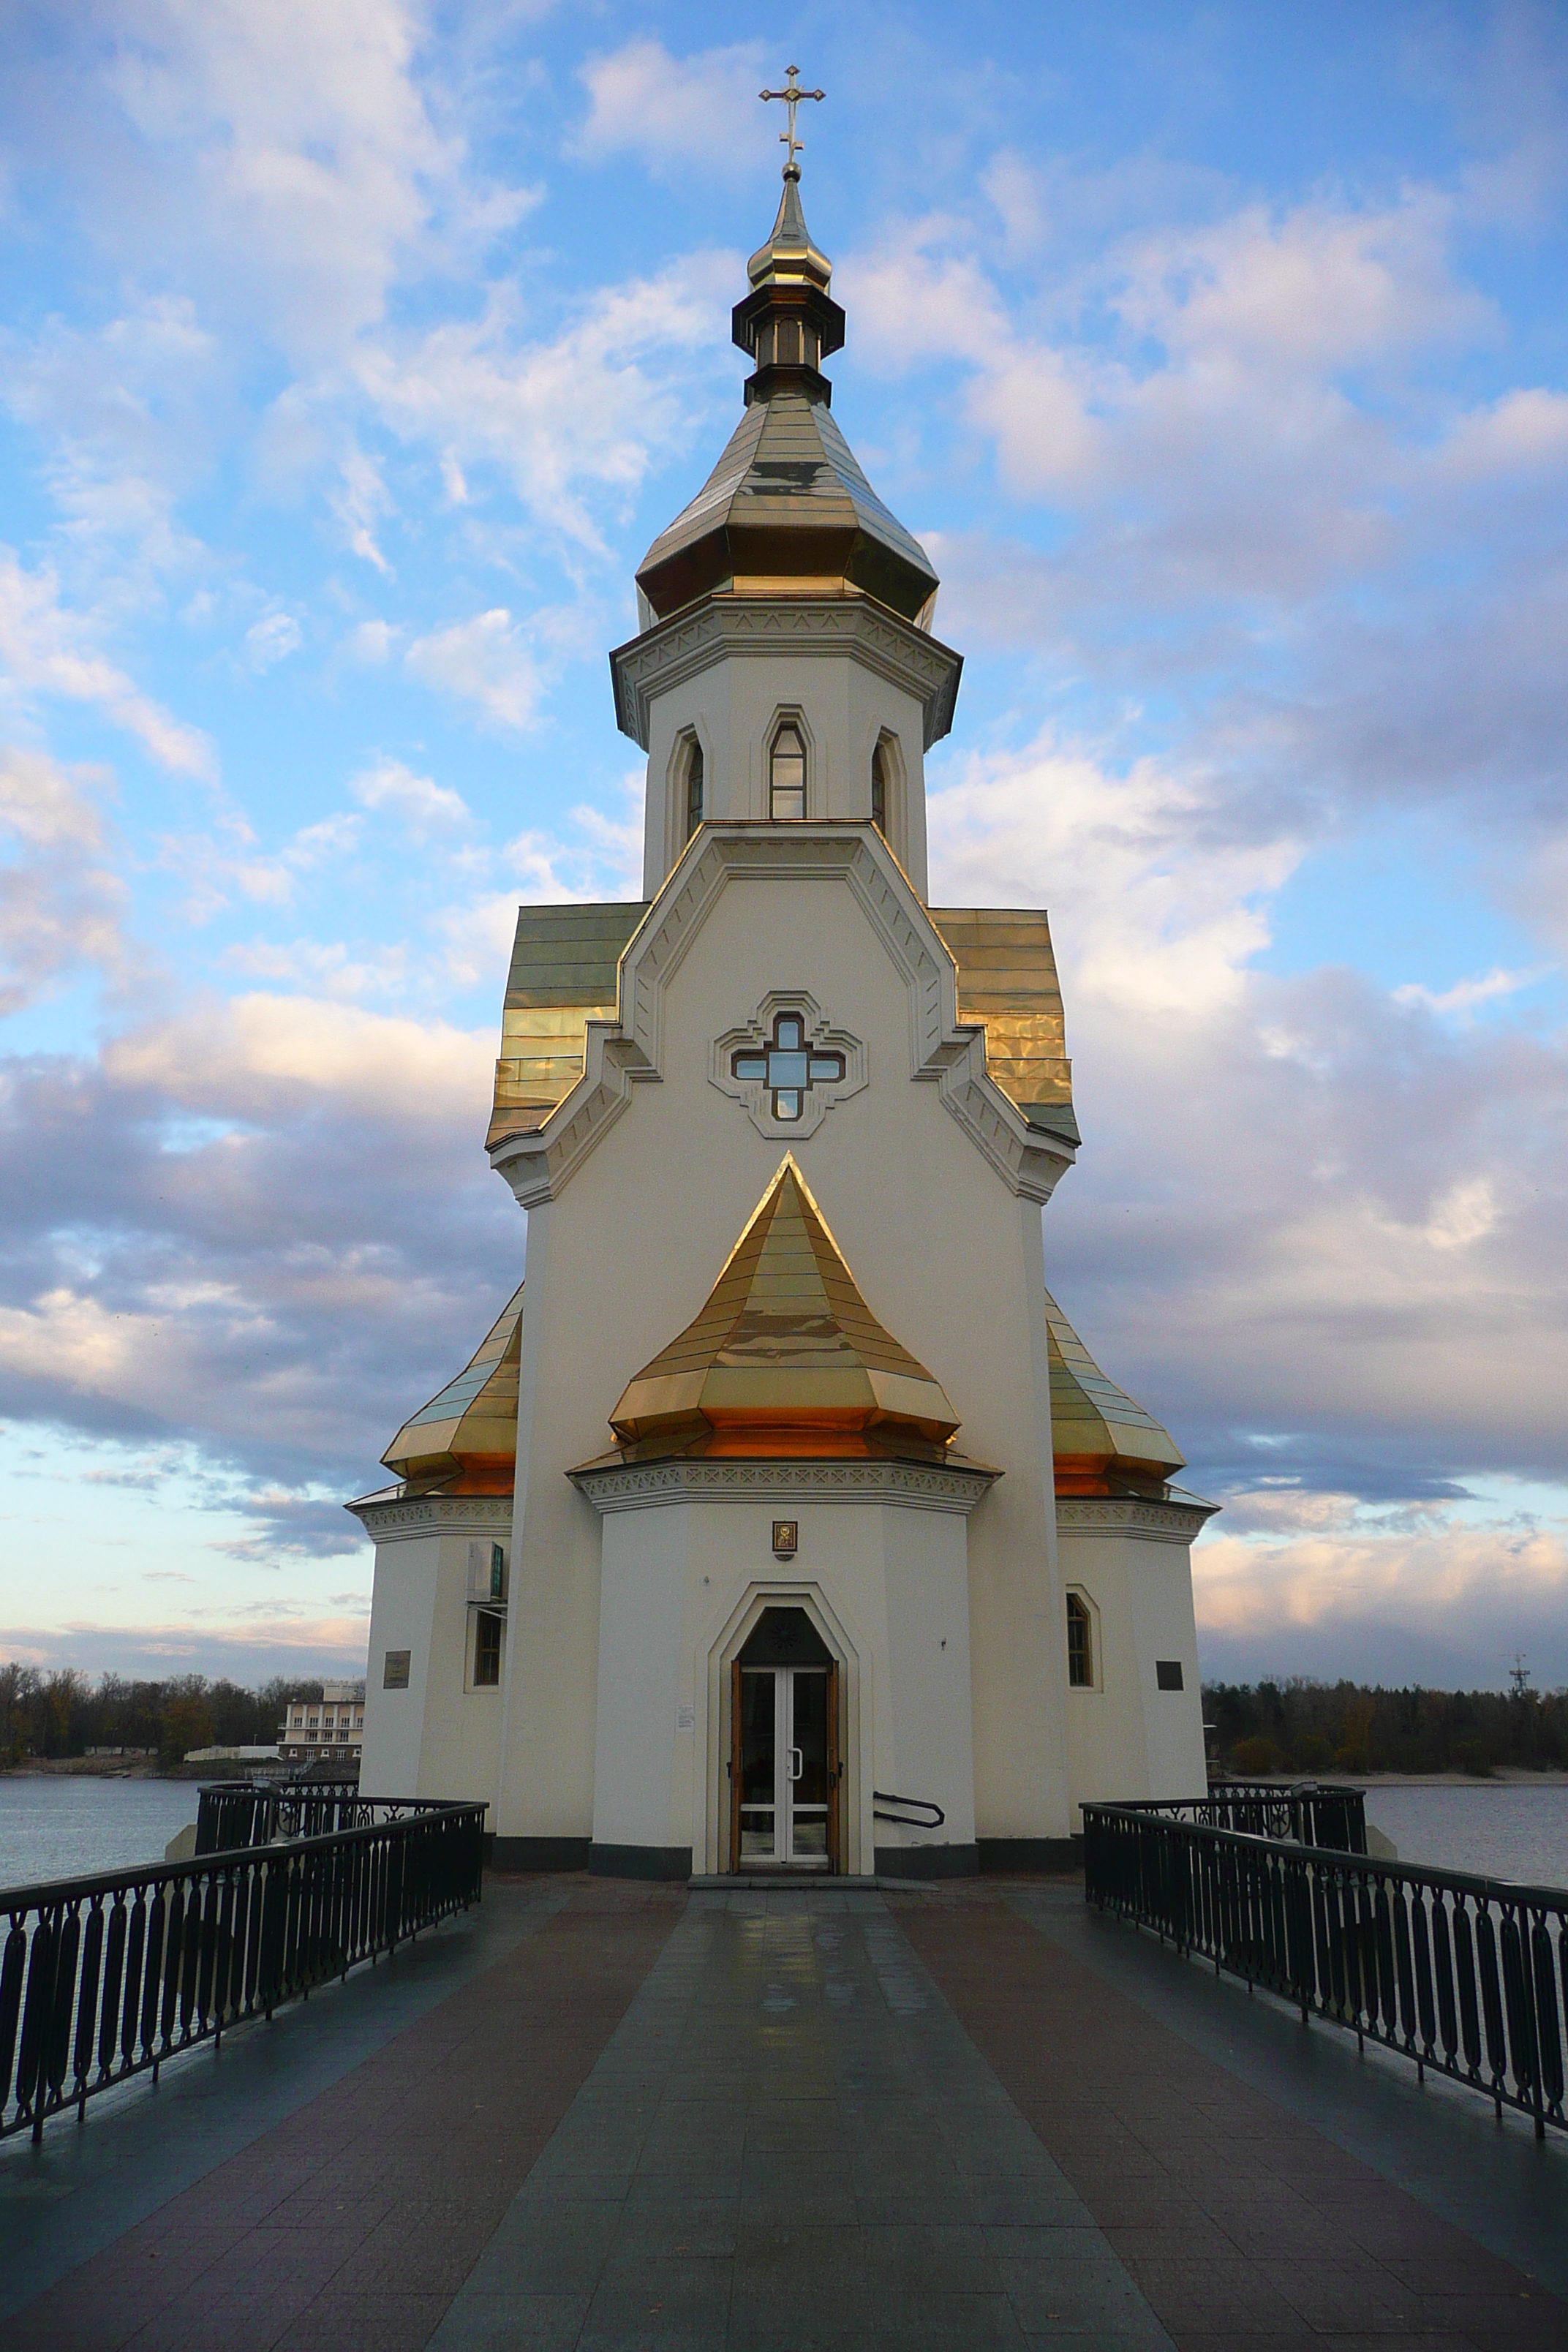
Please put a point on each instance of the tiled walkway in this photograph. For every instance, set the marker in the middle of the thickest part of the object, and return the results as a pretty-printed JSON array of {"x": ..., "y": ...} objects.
[{"x": 970, "y": 2118}]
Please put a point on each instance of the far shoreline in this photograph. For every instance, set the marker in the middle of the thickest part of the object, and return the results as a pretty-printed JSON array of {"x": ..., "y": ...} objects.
[{"x": 1497, "y": 1775}]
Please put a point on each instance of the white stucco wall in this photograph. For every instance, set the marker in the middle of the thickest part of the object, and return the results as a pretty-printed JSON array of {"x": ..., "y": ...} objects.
[
  {"x": 1126, "y": 1736},
  {"x": 684, "y": 1584},
  {"x": 441, "y": 1737},
  {"x": 732, "y": 708}
]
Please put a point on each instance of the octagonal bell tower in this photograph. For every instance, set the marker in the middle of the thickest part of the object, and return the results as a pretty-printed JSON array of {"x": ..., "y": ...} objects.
[{"x": 786, "y": 667}]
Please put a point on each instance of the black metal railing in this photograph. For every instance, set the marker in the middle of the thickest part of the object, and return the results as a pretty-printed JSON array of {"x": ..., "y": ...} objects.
[
  {"x": 915, "y": 1814},
  {"x": 1467, "y": 1975},
  {"x": 253, "y": 1813},
  {"x": 1310, "y": 1812},
  {"x": 102, "y": 1978}
]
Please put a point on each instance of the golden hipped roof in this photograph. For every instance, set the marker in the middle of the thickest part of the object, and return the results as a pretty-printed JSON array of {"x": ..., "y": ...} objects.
[
  {"x": 785, "y": 1357},
  {"x": 1104, "y": 1444},
  {"x": 465, "y": 1439}
]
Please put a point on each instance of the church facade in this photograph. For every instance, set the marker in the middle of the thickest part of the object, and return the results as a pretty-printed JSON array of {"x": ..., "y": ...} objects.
[{"x": 782, "y": 1522}]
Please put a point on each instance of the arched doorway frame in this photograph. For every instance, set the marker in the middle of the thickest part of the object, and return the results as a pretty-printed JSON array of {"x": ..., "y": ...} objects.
[{"x": 854, "y": 1701}]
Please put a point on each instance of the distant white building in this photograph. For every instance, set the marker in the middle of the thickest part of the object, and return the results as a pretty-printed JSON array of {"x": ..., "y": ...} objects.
[{"x": 332, "y": 1725}]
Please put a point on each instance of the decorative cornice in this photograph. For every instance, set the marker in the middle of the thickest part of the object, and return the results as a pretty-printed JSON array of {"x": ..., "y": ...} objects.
[
  {"x": 720, "y": 628},
  {"x": 914, "y": 1485},
  {"x": 621, "y": 1053},
  {"x": 449, "y": 1514},
  {"x": 1126, "y": 1515}
]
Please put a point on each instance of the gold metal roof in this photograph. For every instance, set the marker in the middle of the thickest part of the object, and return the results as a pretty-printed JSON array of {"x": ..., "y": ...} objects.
[
  {"x": 1104, "y": 1444},
  {"x": 787, "y": 506},
  {"x": 785, "y": 1357},
  {"x": 791, "y": 251},
  {"x": 1008, "y": 981},
  {"x": 564, "y": 967},
  {"x": 469, "y": 1431}
]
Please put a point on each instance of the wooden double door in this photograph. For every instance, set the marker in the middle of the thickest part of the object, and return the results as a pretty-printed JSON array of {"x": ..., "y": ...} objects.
[{"x": 784, "y": 1763}]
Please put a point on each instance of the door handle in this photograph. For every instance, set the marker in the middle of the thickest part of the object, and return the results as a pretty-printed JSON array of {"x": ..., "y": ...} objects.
[{"x": 794, "y": 1767}]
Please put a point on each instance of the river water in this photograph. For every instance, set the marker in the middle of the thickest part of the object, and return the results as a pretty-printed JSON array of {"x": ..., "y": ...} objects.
[
  {"x": 73, "y": 1827},
  {"x": 60, "y": 1828},
  {"x": 1504, "y": 1829}
]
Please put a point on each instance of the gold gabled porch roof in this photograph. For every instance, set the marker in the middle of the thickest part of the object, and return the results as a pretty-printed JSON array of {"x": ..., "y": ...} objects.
[
  {"x": 1103, "y": 1442},
  {"x": 785, "y": 1357},
  {"x": 467, "y": 1432}
]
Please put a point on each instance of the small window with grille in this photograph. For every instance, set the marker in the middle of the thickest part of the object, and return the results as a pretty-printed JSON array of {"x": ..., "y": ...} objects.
[
  {"x": 486, "y": 1650},
  {"x": 786, "y": 775},
  {"x": 1080, "y": 1645},
  {"x": 880, "y": 788}
]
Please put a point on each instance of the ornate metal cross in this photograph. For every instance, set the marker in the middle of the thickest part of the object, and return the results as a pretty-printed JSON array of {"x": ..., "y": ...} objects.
[{"x": 791, "y": 97}]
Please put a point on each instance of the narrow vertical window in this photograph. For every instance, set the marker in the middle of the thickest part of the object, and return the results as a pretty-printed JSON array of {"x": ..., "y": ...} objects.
[
  {"x": 1081, "y": 1655},
  {"x": 486, "y": 1650},
  {"x": 880, "y": 788},
  {"x": 693, "y": 788},
  {"x": 786, "y": 775}
]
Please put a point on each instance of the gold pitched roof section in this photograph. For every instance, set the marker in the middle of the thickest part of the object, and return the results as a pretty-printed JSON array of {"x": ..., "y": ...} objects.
[
  {"x": 1007, "y": 983},
  {"x": 787, "y": 508},
  {"x": 785, "y": 1359},
  {"x": 565, "y": 974},
  {"x": 1104, "y": 1444},
  {"x": 465, "y": 1439}
]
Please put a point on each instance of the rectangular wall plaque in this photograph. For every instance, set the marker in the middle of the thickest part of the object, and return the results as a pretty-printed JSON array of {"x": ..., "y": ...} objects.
[
  {"x": 786, "y": 1537},
  {"x": 395, "y": 1671}
]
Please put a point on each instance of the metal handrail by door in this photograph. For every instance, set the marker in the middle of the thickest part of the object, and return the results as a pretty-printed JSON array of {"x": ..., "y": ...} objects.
[{"x": 910, "y": 1805}]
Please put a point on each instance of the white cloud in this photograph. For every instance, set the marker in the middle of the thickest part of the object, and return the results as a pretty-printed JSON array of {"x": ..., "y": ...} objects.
[
  {"x": 487, "y": 663},
  {"x": 425, "y": 806},
  {"x": 1316, "y": 289},
  {"x": 1465, "y": 995},
  {"x": 48, "y": 650},
  {"x": 228, "y": 861},
  {"x": 677, "y": 113},
  {"x": 1521, "y": 432},
  {"x": 271, "y": 640},
  {"x": 1156, "y": 917},
  {"x": 1362, "y": 1584},
  {"x": 584, "y": 413},
  {"x": 62, "y": 904},
  {"x": 372, "y": 643},
  {"x": 297, "y": 149},
  {"x": 255, "y": 1052},
  {"x": 359, "y": 499}
]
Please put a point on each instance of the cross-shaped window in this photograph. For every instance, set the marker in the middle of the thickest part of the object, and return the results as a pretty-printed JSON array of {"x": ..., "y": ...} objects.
[{"x": 787, "y": 1067}]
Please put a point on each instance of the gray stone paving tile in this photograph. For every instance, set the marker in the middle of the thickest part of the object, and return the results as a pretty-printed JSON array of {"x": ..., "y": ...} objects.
[
  {"x": 1087, "y": 2294},
  {"x": 650, "y": 2312},
  {"x": 557, "y": 2250},
  {"x": 482, "y": 2322},
  {"x": 790, "y": 2142},
  {"x": 947, "y": 2323}
]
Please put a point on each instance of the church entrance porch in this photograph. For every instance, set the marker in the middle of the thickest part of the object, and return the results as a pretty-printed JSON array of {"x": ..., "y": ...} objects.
[{"x": 784, "y": 1771}]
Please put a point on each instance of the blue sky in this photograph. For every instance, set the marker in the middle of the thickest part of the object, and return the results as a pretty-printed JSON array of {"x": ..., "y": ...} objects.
[{"x": 352, "y": 356}]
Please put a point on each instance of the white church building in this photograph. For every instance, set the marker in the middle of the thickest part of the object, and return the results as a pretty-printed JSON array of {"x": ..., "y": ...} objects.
[{"x": 782, "y": 1522}]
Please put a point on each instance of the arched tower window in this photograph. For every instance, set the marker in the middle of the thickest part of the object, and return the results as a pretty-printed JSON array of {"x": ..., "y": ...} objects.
[
  {"x": 1080, "y": 1646},
  {"x": 880, "y": 788},
  {"x": 693, "y": 788},
  {"x": 787, "y": 774}
]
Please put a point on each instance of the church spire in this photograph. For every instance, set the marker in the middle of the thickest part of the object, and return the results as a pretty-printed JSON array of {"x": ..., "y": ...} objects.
[
  {"x": 789, "y": 322},
  {"x": 786, "y": 510}
]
